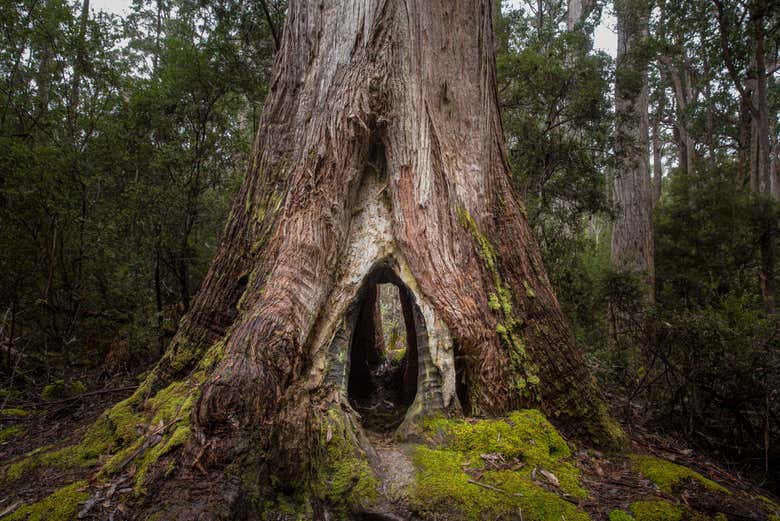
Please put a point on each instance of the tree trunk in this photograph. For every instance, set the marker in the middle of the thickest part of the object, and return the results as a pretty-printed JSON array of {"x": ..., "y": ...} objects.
[
  {"x": 632, "y": 236},
  {"x": 576, "y": 12},
  {"x": 658, "y": 172},
  {"x": 78, "y": 69},
  {"x": 379, "y": 158}
]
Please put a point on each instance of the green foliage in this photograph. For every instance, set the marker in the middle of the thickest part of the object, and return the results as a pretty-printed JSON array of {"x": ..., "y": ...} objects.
[
  {"x": 9, "y": 433},
  {"x": 555, "y": 101},
  {"x": 14, "y": 413},
  {"x": 120, "y": 148},
  {"x": 707, "y": 236}
]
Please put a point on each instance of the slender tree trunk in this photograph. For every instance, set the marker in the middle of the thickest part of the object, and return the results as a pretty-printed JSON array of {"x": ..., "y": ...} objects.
[
  {"x": 632, "y": 238},
  {"x": 763, "y": 163},
  {"x": 78, "y": 69},
  {"x": 658, "y": 149},
  {"x": 576, "y": 13},
  {"x": 379, "y": 158}
]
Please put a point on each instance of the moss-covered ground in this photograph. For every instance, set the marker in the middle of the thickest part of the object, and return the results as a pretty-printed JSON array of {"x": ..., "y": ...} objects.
[
  {"x": 496, "y": 469},
  {"x": 668, "y": 475},
  {"x": 61, "y": 505},
  {"x": 515, "y": 467}
]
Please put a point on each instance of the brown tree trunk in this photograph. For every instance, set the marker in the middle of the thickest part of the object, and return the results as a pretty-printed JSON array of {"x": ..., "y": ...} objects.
[{"x": 379, "y": 158}]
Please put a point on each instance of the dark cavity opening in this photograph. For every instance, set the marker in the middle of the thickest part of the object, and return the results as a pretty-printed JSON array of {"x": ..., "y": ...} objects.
[{"x": 383, "y": 354}]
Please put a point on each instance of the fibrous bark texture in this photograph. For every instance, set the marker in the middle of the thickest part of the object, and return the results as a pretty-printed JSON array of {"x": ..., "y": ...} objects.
[
  {"x": 632, "y": 235},
  {"x": 379, "y": 158}
]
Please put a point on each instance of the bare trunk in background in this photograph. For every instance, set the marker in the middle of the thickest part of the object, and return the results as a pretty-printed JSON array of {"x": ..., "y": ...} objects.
[{"x": 632, "y": 235}]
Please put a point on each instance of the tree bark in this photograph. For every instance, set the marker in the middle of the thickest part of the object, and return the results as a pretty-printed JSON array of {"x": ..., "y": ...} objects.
[
  {"x": 576, "y": 12},
  {"x": 379, "y": 158},
  {"x": 632, "y": 236},
  {"x": 658, "y": 172}
]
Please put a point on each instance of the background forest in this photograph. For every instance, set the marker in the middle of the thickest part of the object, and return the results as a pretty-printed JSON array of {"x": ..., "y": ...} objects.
[{"x": 123, "y": 139}]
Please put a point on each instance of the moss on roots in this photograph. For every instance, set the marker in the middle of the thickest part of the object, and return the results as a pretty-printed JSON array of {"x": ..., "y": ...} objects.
[
  {"x": 134, "y": 429},
  {"x": 342, "y": 475}
]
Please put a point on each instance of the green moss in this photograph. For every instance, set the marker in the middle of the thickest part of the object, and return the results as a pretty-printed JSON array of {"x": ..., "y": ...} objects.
[
  {"x": 97, "y": 441},
  {"x": 10, "y": 432},
  {"x": 616, "y": 438},
  {"x": 443, "y": 488},
  {"x": 177, "y": 438},
  {"x": 342, "y": 475},
  {"x": 769, "y": 503},
  {"x": 210, "y": 359},
  {"x": 120, "y": 429},
  {"x": 169, "y": 403},
  {"x": 170, "y": 407},
  {"x": 77, "y": 388},
  {"x": 668, "y": 475},
  {"x": 14, "y": 413},
  {"x": 486, "y": 250},
  {"x": 291, "y": 508},
  {"x": 656, "y": 511},
  {"x": 526, "y": 381},
  {"x": 116, "y": 462},
  {"x": 53, "y": 391},
  {"x": 525, "y": 435},
  {"x": 620, "y": 515},
  {"x": 59, "y": 389},
  {"x": 59, "y": 506}
]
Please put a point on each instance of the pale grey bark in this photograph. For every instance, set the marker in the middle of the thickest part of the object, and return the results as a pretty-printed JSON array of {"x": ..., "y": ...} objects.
[
  {"x": 576, "y": 13},
  {"x": 632, "y": 236}
]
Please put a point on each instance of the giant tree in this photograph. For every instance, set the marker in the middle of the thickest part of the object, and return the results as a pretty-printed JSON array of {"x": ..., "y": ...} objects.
[{"x": 379, "y": 159}]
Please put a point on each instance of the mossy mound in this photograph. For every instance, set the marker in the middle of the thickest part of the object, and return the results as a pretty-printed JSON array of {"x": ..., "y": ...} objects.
[
  {"x": 656, "y": 511},
  {"x": 668, "y": 475},
  {"x": 620, "y": 515},
  {"x": 524, "y": 436},
  {"x": 443, "y": 490},
  {"x": 59, "y": 506},
  {"x": 59, "y": 389},
  {"x": 484, "y": 469}
]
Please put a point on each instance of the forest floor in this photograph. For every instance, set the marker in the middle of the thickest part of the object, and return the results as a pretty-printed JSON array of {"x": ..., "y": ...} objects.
[{"x": 612, "y": 482}]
